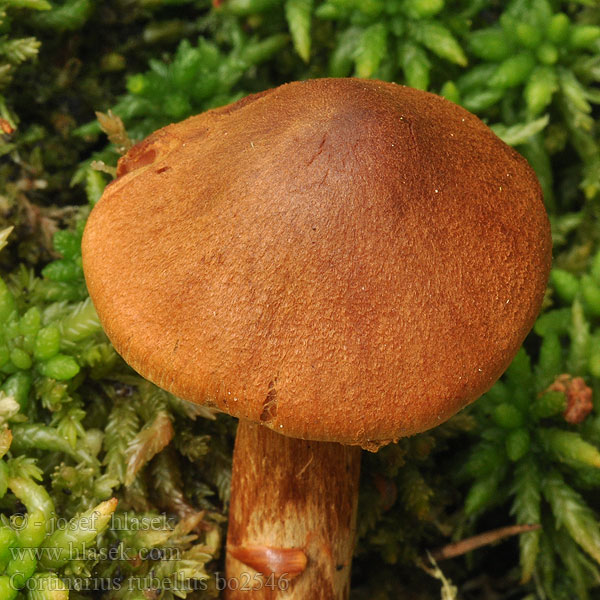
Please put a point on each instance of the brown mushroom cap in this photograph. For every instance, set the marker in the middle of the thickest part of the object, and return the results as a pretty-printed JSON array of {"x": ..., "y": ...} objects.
[{"x": 338, "y": 259}]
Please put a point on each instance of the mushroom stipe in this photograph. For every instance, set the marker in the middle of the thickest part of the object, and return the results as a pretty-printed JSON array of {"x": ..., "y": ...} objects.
[{"x": 338, "y": 263}]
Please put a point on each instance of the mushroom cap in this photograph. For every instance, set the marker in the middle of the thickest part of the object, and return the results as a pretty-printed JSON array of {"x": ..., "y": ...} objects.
[{"x": 337, "y": 259}]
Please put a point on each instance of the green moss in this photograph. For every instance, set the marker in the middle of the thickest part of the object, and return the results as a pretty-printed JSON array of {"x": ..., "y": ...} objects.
[{"x": 86, "y": 429}]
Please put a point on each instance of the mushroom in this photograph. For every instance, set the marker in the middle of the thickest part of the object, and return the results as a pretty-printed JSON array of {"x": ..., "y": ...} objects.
[{"x": 336, "y": 262}]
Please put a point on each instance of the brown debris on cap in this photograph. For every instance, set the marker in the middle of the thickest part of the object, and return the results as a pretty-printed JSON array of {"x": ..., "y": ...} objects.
[{"x": 337, "y": 259}]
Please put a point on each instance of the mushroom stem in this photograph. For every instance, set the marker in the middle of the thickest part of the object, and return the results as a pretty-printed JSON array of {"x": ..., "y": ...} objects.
[{"x": 292, "y": 517}]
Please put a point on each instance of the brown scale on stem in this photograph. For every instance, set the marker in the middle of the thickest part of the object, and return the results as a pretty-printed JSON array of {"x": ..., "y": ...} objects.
[{"x": 288, "y": 562}]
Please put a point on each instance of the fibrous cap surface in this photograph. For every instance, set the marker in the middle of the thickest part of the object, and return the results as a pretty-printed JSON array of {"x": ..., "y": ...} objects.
[{"x": 337, "y": 259}]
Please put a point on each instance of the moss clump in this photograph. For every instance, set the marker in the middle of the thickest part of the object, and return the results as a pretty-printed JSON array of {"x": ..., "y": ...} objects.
[{"x": 79, "y": 431}]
